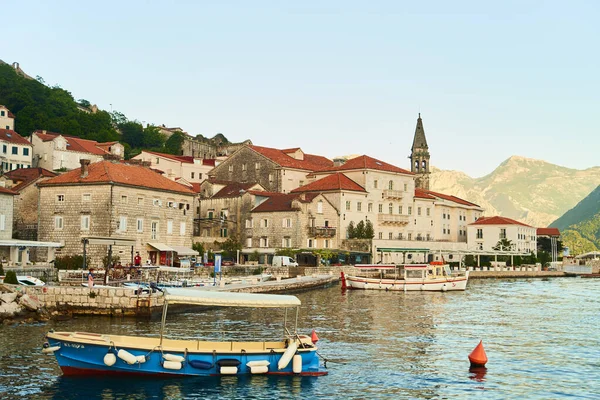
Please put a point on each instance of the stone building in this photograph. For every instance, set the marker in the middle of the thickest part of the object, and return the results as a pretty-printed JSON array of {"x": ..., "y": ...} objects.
[
  {"x": 15, "y": 152},
  {"x": 419, "y": 157},
  {"x": 192, "y": 169},
  {"x": 23, "y": 182},
  {"x": 7, "y": 119},
  {"x": 54, "y": 151},
  {"x": 275, "y": 170},
  {"x": 113, "y": 199}
]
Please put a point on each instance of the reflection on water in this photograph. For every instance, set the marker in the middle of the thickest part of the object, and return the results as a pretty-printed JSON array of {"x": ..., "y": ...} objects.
[{"x": 541, "y": 339}]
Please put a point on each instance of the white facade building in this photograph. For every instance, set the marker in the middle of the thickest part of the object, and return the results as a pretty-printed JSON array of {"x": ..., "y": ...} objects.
[
  {"x": 192, "y": 169},
  {"x": 15, "y": 150},
  {"x": 485, "y": 233},
  {"x": 7, "y": 119}
]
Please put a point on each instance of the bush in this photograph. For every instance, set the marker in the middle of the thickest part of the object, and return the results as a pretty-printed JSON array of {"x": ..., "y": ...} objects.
[
  {"x": 70, "y": 262},
  {"x": 11, "y": 277}
]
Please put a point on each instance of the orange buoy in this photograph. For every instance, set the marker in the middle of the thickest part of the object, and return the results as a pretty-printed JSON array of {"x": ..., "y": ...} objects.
[
  {"x": 478, "y": 358},
  {"x": 313, "y": 337}
]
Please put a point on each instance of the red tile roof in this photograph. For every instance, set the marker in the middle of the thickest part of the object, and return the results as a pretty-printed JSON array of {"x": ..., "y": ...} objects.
[
  {"x": 366, "y": 162},
  {"x": 422, "y": 194},
  {"x": 283, "y": 202},
  {"x": 74, "y": 143},
  {"x": 548, "y": 232},
  {"x": 11, "y": 115},
  {"x": 195, "y": 187},
  {"x": 329, "y": 183},
  {"x": 310, "y": 163},
  {"x": 118, "y": 173},
  {"x": 451, "y": 198},
  {"x": 27, "y": 176},
  {"x": 8, "y": 135},
  {"x": 182, "y": 159},
  {"x": 498, "y": 221},
  {"x": 233, "y": 190},
  {"x": 7, "y": 191}
]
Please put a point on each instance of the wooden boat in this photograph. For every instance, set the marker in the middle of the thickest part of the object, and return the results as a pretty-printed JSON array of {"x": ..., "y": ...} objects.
[
  {"x": 409, "y": 277},
  {"x": 83, "y": 353}
]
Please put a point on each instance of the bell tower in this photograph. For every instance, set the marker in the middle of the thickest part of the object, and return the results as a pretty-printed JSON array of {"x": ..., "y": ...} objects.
[{"x": 419, "y": 157}]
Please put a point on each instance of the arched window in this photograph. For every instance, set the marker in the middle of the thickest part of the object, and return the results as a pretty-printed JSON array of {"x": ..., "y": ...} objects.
[
  {"x": 416, "y": 165},
  {"x": 424, "y": 165},
  {"x": 391, "y": 185},
  {"x": 391, "y": 207}
]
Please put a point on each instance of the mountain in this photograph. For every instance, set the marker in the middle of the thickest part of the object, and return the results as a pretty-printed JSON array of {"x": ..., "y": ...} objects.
[
  {"x": 580, "y": 226},
  {"x": 532, "y": 191}
]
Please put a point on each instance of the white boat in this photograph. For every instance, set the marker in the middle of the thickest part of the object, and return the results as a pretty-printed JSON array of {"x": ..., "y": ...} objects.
[
  {"x": 27, "y": 280},
  {"x": 96, "y": 354},
  {"x": 435, "y": 277}
]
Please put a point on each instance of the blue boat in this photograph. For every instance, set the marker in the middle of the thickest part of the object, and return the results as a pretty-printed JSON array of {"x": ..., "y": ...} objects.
[{"x": 84, "y": 353}]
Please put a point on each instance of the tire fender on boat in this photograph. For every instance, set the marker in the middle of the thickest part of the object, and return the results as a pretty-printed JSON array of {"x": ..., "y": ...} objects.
[
  {"x": 287, "y": 356},
  {"x": 127, "y": 357}
]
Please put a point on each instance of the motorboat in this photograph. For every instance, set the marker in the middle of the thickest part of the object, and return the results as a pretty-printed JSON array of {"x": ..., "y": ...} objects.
[
  {"x": 436, "y": 276},
  {"x": 95, "y": 354}
]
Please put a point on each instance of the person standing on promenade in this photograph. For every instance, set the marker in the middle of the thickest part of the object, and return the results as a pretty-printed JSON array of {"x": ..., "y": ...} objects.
[{"x": 91, "y": 278}]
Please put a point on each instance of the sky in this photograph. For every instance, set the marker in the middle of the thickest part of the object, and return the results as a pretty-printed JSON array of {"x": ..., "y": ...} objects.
[{"x": 490, "y": 79}]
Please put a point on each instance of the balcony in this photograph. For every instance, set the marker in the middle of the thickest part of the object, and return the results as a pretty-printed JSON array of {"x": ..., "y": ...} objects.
[
  {"x": 393, "y": 194},
  {"x": 392, "y": 219},
  {"x": 321, "y": 231}
]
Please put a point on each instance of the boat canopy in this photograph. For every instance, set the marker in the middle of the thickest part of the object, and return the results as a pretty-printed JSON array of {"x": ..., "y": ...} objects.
[{"x": 229, "y": 299}]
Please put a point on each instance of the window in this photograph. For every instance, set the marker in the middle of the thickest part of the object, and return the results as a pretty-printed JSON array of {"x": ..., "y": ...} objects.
[
  {"x": 249, "y": 223},
  {"x": 25, "y": 151},
  {"x": 169, "y": 227},
  {"x": 400, "y": 210},
  {"x": 243, "y": 166},
  {"x": 60, "y": 198},
  {"x": 301, "y": 183},
  {"x": 444, "y": 216},
  {"x": 502, "y": 233},
  {"x": 85, "y": 222},
  {"x": 123, "y": 199},
  {"x": 58, "y": 222},
  {"x": 122, "y": 227},
  {"x": 380, "y": 235},
  {"x": 2, "y": 113},
  {"x": 223, "y": 232},
  {"x": 479, "y": 233},
  {"x": 390, "y": 235},
  {"x": 140, "y": 201},
  {"x": 358, "y": 206},
  {"x": 140, "y": 225},
  {"x": 370, "y": 207},
  {"x": 192, "y": 175},
  {"x": 270, "y": 178},
  {"x": 391, "y": 185},
  {"x": 428, "y": 236},
  {"x": 286, "y": 242},
  {"x": 381, "y": 208},
  {"x": 15, "y": 150},
  {"x": 410, "y": 236},
  {"x": 264, "y": 223},
  {"x": 347, "y": 205},
  {"x": 310, "y": 243},
  {"x": 210, "y": 214},
  {"x": 154, "y": 230},
  {"x": 2, "y": 222},
  {"x": 405, "y": 187},
  {"x": 320, "y": 207},
  {"x": 4, "y": 148},
  {"x": 326, "y": 245},
  {"x": 428, "y": 211},
  {"x": 409, "y": 210},
  {"x": 287, "y": 222},
  {"x": 444, "y": 230},
  {"x": 231, "y": 168},
  {"x": 257, "y": 165},
  {"x": 375, "y": 184},
  {"x": 391, "y": 208},
  {"x": 418, "y": 210},
  {"x": 157, "y": 160},
  {"x": 249, "y": 242},
  {"x": 264, "y": 241},
  {"x": 156, "y": 202},
  {"x": 182, "y": 229},
  {"x": 86, "y": 197}
]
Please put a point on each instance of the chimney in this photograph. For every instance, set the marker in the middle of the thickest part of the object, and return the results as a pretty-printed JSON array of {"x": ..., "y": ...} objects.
[
  {"x": 339, "y": 162},
  {"x": 85, "y": 163}
]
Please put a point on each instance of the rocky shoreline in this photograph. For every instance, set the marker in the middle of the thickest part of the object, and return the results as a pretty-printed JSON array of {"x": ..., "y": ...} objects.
[{"x": 16, "y": 306}]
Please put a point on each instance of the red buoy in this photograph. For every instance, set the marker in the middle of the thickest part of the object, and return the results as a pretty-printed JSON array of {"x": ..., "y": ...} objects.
[
  {"x": 478, "y": 358},
  {"x": 313, "y": 337}
]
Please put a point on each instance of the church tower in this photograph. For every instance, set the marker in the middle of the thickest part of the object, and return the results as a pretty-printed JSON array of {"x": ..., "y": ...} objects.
[{"x": 419, "y": 157}]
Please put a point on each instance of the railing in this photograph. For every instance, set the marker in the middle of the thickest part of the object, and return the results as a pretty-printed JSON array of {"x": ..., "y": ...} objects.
[
  {"x": 393, "y": 194},
  {"x": 321, "y": 231},
  {"x": 392, "y": 218}
]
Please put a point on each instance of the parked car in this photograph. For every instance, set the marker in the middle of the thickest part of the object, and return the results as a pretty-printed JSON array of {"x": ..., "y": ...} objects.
[{"x": 227, "y": 262}]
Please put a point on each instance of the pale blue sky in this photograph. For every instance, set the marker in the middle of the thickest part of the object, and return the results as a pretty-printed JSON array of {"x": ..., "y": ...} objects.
[{"x": 491, "y": 79}]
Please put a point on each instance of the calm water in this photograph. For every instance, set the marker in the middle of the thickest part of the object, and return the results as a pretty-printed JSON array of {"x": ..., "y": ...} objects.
[{"x": 542, "y": 338}]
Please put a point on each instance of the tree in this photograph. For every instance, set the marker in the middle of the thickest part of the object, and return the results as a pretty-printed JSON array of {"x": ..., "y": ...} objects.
[
  {"x": 199, "y": 247},
  {"x": 503, "y": 245},
  {"x": 174, "y": 143},
  {"x": 359, "y": 231},
  {"x": 369, "y": 231},
  {"x": 132, "y": 133},
  {"x": 84, "y": 103},
  {"x": 350, "y": 230},
  {"x": 153, "y": 138}
]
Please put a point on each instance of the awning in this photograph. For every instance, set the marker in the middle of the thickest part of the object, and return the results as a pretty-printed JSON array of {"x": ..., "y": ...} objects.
[
  {"x": 184, "y": 251},
  {"x": 109, "y": 241},
  {"x": 229, "y": 299},
  {"x": 161, "y": 247}
]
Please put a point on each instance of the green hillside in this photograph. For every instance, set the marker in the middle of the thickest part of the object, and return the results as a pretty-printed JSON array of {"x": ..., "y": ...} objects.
[{"x": 580, "y": 226}]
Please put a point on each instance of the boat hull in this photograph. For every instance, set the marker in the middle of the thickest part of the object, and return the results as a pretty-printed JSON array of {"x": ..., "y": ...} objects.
[
  {"x": 401, "y": 285},
  {"x": 86, "y": 356}
]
